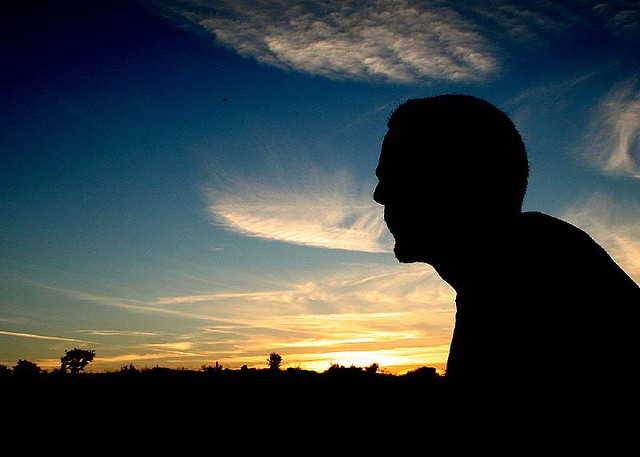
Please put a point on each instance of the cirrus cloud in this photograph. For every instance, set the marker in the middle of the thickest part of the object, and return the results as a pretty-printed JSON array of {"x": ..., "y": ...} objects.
[
  {"x": 613, "y": 140},
  {"x": 399, "y": 41},
  {"x": 389, "y": 40},
  {"x": 319, "y": 210}
]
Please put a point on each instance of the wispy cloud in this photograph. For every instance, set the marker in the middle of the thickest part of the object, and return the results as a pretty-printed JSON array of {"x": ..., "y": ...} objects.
[
  {"x": 181, "y": 348},
  {"x": 392, "y": 40},
  {"x": 363, "y": 309},
  {"x": 152, "y": 357},
  {"x": 313, "y": 209},
  {"x": 347, "y": 290},
  {"x": 401, "y": 41},
  {"x": 622, "y": 17},
  {"x": 554, "y": 92},
  {"x": 116, "y": 333},
  {"x": 355, "y": 312},
  {"x": 39, "y": 337},
  {"x": 360, "y": 313},
  {"x": 132, "y": 305},
  {"x": 613, "y": 140}
]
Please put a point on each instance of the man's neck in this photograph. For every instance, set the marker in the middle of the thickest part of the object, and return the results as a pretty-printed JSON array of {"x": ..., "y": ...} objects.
[{"x": 481, "y": 262}]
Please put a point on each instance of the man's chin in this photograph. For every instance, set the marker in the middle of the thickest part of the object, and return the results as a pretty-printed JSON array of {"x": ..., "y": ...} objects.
[{"x": 410, "y": 254}]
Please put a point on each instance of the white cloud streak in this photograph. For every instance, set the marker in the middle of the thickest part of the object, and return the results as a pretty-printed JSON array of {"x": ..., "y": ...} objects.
[
  {"x": 320, "y": 210},
  {"x": 39, "y": 337},
  {"x": 177, "y": 348},
  {"x": 392, "y": 40},
  {"x": 116, "y": 333},
  {"x": 613, "y": 140},
  {"x": 354, "y": 306},
  {"x": 353, "y": 288},
  {"x": 400, "y": 41},
  {"x": 360, "y": 313}
]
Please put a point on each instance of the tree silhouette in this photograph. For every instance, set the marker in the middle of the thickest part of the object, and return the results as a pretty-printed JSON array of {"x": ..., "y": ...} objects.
[
  {"x": 76, "y": 360},
  {"x": 5, "y": 371},
  {"x": 211, "y": 369},
  {"x": 26, "y": 369},
  {"x": 274, "y": 361}
]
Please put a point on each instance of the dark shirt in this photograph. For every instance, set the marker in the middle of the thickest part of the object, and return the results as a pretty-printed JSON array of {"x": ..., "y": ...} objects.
[{"x": 556, "y": 312}]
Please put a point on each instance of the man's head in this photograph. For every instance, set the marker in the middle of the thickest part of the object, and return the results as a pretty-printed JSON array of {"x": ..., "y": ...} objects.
[{"x": 451, "y": 168}]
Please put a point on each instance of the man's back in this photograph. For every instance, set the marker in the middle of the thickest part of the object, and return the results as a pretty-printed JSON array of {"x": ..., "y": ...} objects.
[{"x": 556, "y": 312}]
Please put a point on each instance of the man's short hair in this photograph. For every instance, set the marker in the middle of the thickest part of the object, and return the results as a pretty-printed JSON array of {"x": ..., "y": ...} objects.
[{"x": 470, "y": 137}]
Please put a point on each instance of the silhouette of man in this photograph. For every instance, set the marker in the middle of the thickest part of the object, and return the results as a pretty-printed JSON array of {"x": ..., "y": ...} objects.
[{"x": 539, "y": 304}]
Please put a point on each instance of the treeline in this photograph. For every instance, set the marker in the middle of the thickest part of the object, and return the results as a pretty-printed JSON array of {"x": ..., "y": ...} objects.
[
  {"x": 27, "y": 371},
  {"x": 245, "y": 391},
  {"x": 224, "y": 383},
  {"x": 76, "y": 360},
  {"x": 222, "y": 402}
]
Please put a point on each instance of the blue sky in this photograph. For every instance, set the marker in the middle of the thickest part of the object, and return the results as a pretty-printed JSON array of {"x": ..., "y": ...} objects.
[{"x": 185, "y": 182}]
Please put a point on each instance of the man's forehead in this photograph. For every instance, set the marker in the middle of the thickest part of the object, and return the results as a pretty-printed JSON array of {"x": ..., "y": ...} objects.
[
  {"x": 399, "y": 149},
  {"x": 392, "y": 146},
  {"x": 406, "y": 140},
  {"x": 407, "y": 158}
]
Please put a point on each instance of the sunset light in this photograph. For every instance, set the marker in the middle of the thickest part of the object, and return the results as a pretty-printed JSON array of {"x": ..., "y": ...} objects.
[{"x": 186, "y": 183}]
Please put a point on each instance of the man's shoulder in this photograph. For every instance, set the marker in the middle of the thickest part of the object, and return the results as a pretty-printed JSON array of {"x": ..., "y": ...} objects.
[
  {"x": 561, "y": 245},
  {"x": 543, "y": 230},
  {"x": 534, "y": 220}
]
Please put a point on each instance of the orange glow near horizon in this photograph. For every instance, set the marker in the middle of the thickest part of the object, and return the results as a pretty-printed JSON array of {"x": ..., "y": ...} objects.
[
  {"x": 399, "y": 317},
  {"x": 393, "y": 361}
]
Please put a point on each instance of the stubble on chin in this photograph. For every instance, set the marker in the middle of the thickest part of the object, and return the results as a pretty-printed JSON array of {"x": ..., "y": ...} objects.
[{"x": 403, "y": 255}]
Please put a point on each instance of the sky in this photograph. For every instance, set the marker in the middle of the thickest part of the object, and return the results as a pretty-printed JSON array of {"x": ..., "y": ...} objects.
[{"x": 189, "y": 182}]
